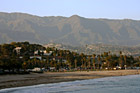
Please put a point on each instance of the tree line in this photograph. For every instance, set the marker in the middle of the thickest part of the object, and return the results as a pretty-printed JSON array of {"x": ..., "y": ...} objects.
[{"x": 13, "y": 62}]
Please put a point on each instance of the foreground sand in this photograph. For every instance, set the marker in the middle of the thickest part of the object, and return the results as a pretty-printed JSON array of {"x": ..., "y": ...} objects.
[{"x": 8, "y": 81}]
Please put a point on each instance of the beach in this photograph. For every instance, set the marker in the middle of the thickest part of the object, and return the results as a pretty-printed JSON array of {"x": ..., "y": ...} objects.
[{"x": 9, "y": 81}]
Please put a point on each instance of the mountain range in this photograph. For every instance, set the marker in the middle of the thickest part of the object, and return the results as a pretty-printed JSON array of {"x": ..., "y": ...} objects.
[{"x": 74, "y": 30}]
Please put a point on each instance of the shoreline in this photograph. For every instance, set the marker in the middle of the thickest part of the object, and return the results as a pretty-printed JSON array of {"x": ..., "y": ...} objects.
[{"x": 11, "y": 81}]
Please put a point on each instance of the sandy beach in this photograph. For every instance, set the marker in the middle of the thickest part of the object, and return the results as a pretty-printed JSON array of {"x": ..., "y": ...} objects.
[{"x": 8, "y": 81}]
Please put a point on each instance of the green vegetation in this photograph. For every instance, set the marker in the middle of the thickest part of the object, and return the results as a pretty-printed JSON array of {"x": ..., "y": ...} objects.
[{"x": 22, "y": 56}]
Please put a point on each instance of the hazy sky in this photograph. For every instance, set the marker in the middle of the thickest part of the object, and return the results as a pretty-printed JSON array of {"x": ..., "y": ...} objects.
[{"x": 113, "y": 9}]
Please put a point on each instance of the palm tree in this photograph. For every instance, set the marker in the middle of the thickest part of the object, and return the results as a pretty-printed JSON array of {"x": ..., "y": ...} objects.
[
  {"x": 88, "y": 61},
  {"x": 75, "y": 61},
  {"x": 85, "y": 62},
  {"x": 82, "y": 60},
  {"x": 107, "y": 62},
  {"x": 99, "y": 59},
  {"x": 125, "y": 58},
  {"x": 94, "y": 60},
  {"x": 24, "y": 66},
  {"x": 121, "y": 61}
]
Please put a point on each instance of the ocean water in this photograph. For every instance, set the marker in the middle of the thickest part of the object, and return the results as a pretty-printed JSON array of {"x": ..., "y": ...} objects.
[{"x": 120, "y": 84}]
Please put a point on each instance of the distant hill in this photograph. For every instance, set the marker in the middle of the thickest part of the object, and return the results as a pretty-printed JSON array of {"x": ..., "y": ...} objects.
[
  {"x": 74, "y": 30},
  {"x": 99, "y": 49}
]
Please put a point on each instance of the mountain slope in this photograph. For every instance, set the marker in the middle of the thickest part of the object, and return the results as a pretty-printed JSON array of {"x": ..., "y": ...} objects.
[{"x": 74, "y": 30}]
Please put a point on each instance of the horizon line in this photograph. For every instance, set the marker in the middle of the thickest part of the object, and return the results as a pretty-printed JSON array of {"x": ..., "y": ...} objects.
[{"x": 71, "y": 16}]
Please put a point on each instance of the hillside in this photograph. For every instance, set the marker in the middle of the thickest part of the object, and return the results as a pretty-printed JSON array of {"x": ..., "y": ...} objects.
[{"x": 74, "y": 30}]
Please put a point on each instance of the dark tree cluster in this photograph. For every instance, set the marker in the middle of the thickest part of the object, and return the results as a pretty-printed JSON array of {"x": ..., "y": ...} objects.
[{"x": 12, "y": 61}]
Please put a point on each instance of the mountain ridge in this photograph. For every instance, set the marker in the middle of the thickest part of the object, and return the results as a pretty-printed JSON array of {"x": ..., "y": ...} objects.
[{"x": 74, "y": 30}]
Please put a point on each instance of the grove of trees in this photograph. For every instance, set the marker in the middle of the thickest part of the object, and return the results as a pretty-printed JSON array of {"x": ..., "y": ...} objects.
[{"x": 11, "y": 61}]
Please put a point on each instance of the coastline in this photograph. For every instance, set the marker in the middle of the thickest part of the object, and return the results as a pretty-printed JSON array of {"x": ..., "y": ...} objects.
[{"x": 10, "y": 81}]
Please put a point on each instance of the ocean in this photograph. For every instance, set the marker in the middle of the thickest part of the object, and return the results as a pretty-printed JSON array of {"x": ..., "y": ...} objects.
[{"x": 119, "y": 84}]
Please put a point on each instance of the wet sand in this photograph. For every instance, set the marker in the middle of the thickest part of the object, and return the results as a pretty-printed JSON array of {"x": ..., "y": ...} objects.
[{"x": 9, "y": 81}]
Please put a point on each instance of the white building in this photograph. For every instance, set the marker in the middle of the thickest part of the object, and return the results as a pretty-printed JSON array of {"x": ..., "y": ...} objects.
[
  {"x": 17, "y": 49},
  {"x": 44, "y": 52}
]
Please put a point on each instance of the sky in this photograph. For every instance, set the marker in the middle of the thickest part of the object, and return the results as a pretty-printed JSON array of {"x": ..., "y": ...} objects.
[{"x": 111, "y": 9}]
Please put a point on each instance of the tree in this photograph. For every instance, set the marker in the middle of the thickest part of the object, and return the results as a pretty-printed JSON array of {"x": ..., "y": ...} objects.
[
  {"x": 99, "y": 60},
  {"x": 75, "y": 61},
  {"x": 107, "y": 62},
  {"x": 121, "y": 61},
  {"x": 94, "y": 61},
  {"x": 24, "y": 65},
  {"x": 125, "y": 58},
  {"x": 89, "y": 59}
]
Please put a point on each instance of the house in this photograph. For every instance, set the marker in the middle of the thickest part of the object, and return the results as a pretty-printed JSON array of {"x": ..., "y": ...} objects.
[
  {"x": 39, "y": 57},
  {"x": 43, "y": 52},
  {"x": 46, "y": 53},
  {"x": 37, "y": 69},
  {"x": 17, "y": 49},
  {"x": 58, "y": 59},
  {"x": 52, "y": 68}
]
